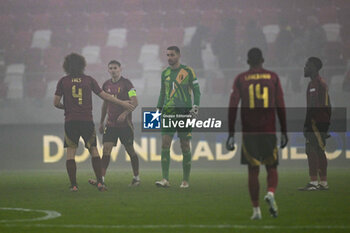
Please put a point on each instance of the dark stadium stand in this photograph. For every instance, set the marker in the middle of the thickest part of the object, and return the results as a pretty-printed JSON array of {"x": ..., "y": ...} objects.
[{"x": 80, "y": 23}]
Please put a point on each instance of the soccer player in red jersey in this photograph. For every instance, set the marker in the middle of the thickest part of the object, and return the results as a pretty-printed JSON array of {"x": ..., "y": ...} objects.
[
  {"x": 119, "y": 124},
  {"x": 261, "y": 96},
  {"x": 76, "y": 89},
  {"x": 318, "y": 115}
]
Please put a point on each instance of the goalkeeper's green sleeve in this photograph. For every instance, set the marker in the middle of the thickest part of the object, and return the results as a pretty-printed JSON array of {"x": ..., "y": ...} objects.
[{"x": 196, "y": 95}]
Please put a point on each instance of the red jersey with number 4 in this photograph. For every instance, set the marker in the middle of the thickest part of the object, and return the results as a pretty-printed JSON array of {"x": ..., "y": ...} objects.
[
  {"x": 77, "y": 98},
  {"x": 119, "y": 89},
  {"x": 261, "y": 96}
]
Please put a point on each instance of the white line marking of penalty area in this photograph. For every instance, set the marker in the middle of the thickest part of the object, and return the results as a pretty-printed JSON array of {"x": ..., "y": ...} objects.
[
  {"x": 50, "y": 214},
  {"x": 228, "y": 226}
]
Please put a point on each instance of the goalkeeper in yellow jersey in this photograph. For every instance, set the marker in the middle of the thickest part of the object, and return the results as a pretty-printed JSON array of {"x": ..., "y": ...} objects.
[{"x": 177, "y": 84}]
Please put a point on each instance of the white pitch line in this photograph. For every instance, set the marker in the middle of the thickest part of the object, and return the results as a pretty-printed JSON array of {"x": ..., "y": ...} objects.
[
  {"x": 50, "y": 214},
  {"x": 223, "y": 226}
]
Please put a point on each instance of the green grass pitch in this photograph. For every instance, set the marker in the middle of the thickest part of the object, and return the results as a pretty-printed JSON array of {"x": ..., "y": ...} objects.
[{"x": 217, "y": 201}]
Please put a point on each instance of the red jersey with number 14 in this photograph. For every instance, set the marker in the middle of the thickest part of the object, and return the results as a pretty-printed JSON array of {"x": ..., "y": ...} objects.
[
  {"x": 261, "y": 96},
  {"x": 77, "y": 98}
]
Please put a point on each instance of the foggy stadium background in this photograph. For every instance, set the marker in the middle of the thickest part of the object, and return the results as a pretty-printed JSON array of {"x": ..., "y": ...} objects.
[{"x": 36, "y": 35}]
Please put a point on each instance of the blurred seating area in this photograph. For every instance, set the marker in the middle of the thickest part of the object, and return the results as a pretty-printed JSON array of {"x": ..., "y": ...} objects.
[{"x": 36, "y": 35}]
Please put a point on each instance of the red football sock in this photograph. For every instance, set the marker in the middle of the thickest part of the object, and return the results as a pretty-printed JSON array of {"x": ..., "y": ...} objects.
[
  {"x": 253, "y": 183},
  {"x": 105, "y": 162},
  {"x": 72, "y": 171},
  {"x": 272, "y": 178},
  {"x": 322, "y": 166},
  {"x": 96, "y": 165},
  {"x": 312, "y": 158}
]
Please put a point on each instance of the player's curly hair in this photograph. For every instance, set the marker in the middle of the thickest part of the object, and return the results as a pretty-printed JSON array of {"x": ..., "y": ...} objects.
[{"x": 74, "y": 64}]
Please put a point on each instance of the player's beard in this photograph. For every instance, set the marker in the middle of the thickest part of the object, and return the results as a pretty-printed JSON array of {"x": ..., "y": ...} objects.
[
  {"x": 306, "y": 75},
  {"x": 171, "y": 62}
]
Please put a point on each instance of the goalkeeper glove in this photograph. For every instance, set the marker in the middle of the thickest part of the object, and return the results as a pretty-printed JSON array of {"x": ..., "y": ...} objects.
[
  {"x": 230, "y": 143},
  {"x": 194, "y": 111}
]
